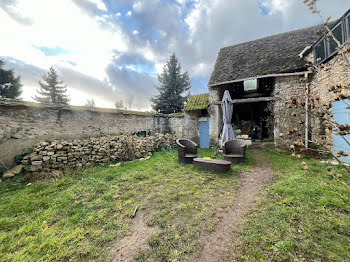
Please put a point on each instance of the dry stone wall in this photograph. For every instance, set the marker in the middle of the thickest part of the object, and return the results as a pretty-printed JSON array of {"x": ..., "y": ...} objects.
[
  {"x": 22, "y": 125},
  {"x": 51, "y": 158}
]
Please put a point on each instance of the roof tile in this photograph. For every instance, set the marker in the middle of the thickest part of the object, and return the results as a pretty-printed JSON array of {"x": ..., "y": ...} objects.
[
  {"x": 270, "y": 55},
  {"x": 197, "y": 102}
]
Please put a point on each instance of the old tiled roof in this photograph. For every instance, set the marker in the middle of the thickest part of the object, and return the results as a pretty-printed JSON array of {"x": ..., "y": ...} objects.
[
  {"x": 270, "y": 55},
  {"x": 197, "y": 102}
]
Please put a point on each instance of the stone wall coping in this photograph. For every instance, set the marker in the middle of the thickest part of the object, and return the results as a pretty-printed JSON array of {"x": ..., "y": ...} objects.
[{"x": 27, "y": 104}]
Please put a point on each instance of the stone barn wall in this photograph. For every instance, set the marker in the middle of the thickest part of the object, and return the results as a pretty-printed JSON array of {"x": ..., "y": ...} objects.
[
  {"x": 23, "y": 124},
  {"x": 287, "y": 116},
  {"x": 331, "y": 74},
  {"x": 285, "y": 89},
  {"x": 289, "y": 88}
]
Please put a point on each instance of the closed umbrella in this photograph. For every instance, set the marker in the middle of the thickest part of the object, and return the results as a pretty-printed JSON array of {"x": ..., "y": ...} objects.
[{"x": 227, "y": 107}]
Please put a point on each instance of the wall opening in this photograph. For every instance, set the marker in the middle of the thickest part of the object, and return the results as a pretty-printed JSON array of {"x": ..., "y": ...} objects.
[{"x": 252, "y": 119}]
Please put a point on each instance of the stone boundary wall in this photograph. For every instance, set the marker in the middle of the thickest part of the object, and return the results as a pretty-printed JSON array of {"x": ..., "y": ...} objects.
[
  {"x": 24, "y": 124},
  {"x": 51, "y": 158},
  {"x": 215, "y": 120}
]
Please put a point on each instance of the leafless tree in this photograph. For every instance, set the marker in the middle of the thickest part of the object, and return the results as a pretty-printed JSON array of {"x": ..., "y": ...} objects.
[{"x": 130, "y": 101}]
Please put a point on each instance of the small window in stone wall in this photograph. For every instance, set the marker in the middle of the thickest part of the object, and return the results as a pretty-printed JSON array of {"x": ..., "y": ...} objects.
[{"x": 250, "y": 85}]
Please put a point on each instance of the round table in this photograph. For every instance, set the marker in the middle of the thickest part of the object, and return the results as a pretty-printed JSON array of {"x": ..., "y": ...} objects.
[{"x": 213, "y": 165}]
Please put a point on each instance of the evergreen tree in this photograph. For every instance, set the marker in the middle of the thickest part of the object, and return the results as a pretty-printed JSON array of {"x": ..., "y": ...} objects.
[
  {"x": 172, "y": 84},
  {"x": 53, "y": 91},
  {"x": 10, "y": 86}
]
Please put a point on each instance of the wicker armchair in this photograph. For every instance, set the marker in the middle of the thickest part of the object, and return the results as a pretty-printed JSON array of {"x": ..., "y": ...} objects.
[
  {"x": 187, "y": 150},
  {"x": 234, "y": 151}
]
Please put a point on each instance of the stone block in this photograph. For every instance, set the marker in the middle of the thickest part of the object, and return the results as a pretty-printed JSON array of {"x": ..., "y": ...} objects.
[
  {"x": 35, "y": 168},
  {"x": 37, "y": 158},
  {"x": 8, "y": 174},
  {"x": 37, "y": 163}
]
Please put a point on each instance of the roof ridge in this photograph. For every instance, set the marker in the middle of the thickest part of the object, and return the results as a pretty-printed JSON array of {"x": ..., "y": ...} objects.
[
  {"x": 279, "y": 34},
  {"x": 200, "y": 94}
]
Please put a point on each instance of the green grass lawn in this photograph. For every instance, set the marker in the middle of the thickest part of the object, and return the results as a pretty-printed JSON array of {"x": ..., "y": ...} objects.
[
  {"x": 298, "y": 219},
  {"x": 76, "y": 217}
]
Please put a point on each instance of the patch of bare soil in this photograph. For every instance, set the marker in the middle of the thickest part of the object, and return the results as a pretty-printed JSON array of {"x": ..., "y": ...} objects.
[
  {"x": 128, "y": 247},
  {"x": 214, "y": 244}
]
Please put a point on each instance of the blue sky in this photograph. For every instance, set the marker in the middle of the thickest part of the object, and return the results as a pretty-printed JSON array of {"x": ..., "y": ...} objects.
[
  {"x": 52, "y": 51},
  {"x": 112, "y": 50}
]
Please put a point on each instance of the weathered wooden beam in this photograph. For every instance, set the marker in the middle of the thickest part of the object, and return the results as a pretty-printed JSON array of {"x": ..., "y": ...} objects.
[
  {"x": 257, "y": 77},
  {"x": 248, "y": 100}
]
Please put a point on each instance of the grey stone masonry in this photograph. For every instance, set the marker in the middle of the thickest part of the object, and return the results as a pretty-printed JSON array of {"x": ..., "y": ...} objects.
[
  {"x": 54, "y": 157},
  {"x": 23, "y": 124}
]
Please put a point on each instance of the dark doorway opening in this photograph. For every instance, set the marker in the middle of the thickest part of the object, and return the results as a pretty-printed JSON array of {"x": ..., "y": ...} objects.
[{"x": 252, "y": 119}]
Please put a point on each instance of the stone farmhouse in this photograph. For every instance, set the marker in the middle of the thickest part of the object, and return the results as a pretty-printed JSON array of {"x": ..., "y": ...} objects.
[{"x": 264, "y": 74}]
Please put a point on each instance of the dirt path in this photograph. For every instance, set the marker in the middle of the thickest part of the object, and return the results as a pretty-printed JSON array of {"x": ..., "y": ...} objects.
[
  {"x": 214, "y": 244},
  {"x": 131, "y": 245}
]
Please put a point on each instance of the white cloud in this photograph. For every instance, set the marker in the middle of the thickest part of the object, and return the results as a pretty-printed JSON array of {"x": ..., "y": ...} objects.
[
  {"x": 88, "y": 48},
  {"x": 76, "y": 96},
  {"x": 201, "y": 69},
  {"x": 159, "y": 68},
  {"x": 87, "y": 44},
  {"x": 197, "y": 16},
  {"x": 276, "y": 6},
  {"x": 214, "y": 24},
  {"x": 193, "y": 18},
  {"x": 90, "y": 36},
  {"x": 137, "y": 6},
  {"x": 100, "y": 5}
]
